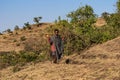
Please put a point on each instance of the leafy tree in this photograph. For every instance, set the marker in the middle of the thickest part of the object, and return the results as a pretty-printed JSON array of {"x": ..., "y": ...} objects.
[
  {"x": 8, "y": 30},
  {"x": 37, "y": 19},
  {"x": 27, "y": 25},
  {"x": 118, "y": 6},
  {"x": 55, "y": 21},
  {"x": 82, "y": 16},
  {"x": 105, "y": 15},
  {"x": 59, "y": 18},
  {"x": 0, "y": 33},
  {"x": 115, "y": 17},
  {"x": 16, "y": 27}
]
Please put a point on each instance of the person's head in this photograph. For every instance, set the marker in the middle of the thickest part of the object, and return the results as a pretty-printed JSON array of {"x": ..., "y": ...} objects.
[{"x": 56, "y": 31}]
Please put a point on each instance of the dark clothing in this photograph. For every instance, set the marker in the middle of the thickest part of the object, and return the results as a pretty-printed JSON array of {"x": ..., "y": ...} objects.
[{"x": 56, "y": 46}]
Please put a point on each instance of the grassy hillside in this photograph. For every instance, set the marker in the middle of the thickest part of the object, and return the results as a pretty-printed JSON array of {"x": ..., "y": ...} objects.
[
  {"x": 91, "y": 49},
  {"x": 16, "y": 40},
  {"x": 100, "y": 62},
  {"x": 95, "y": 62}
]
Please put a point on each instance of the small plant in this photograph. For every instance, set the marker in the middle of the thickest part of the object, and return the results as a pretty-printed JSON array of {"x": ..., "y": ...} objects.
[
  {"x": 27, "y": 25},
  {"x": 16, "y": 68},
  {"x": 23, "y": 38},
  {"x": 1, "y": 33},
  {"x": 37, "y": 20},
  {"x": 4, "y": 37},
  {"x": 9, "y": 31},
  {"x": 18, "y": 44},
  {"x": 28, "y": 56},
  {"x": 16, "y": 33},
  {"x": 16, "y": 27},
  {"x": 14, "y": 40},
  {"x": 24, "y": 27}
]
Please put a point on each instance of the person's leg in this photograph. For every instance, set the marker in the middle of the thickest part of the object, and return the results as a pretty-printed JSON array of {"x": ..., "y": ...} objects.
[
  {"x": 60, "y": 56},
  {"x": 54, "y": 60}
]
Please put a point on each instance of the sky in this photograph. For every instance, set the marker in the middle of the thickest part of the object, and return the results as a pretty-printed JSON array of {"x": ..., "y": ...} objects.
[{"x": 18, "y": 12}]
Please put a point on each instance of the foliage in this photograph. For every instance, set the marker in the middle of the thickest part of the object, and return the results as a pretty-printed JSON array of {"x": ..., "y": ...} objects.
[
  {"x": 118, "y": 6},
  {"x": 36, "y": 45},
  {"x": 82, "y": 16},
  {"x": 16, "y": 27},
  {"x": 23, "y": 38},
  {"x": 7, "y": 31},
  {"x": 18, "y": 59},
  {"x": 105, "y": 15},
  {"x": 27, "y": 25},
  {"x": 78, "y": 34},
  {"x": 1, "y": 33},
  {"x": 37, "y": 19}
]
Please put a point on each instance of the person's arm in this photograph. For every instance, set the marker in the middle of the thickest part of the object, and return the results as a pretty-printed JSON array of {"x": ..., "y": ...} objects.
[
  {"x": 49, "y": 39},
  {"x": 62, "y": 44}
]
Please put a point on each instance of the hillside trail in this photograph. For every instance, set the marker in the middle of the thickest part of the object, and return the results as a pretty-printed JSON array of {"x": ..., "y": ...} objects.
[{"x": 100, "y": 62}]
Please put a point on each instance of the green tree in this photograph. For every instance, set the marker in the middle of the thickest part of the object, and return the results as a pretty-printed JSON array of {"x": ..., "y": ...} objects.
[
  {"x": 59, "y": 18},
  {"x": 55, "y": 21},
  {"x": 115, "y": 17},
  {"x": 105, "y": 15},
  {"x": 9, "y": 31},
  {"x": 16, "y": 27},
  {"x": 118, "y": 6},
  {"x": 37, "y": 19},
  {"x": 27, "y": 25},
  {"x": 81, "y": 15},
  {"x": 1, "y": 33}
]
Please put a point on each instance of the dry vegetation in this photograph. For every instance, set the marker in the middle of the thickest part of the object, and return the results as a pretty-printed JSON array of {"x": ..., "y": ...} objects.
[
  {"x": 100, "y": 62},
  {"x": 15, "y": 41},
  {"x": 100, "y": 22}
]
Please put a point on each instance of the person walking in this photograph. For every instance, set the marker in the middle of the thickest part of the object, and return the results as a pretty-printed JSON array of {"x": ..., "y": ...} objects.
[{"x": 56, "y": 45}]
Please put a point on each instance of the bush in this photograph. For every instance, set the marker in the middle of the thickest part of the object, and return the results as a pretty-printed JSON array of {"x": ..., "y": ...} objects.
[
  {"x": 17, "y": 44},
  {"x": 37, "y": 45},
  {"x": 19, "y": 59},
  {"x": 16, "y": 27},
  {"x": 1, "y": 33},
  {"x": 28, "y": 57},
  {"x": 14, "y": 40},
  {"x": 23, "y": 38}
]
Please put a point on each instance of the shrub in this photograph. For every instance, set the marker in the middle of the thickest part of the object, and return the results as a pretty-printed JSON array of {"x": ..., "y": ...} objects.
[
  {"x": 16, "y": 68},
  {"x": 23, "y": 38},
  {"x": 27, "y": 25},
  {"x": 16, "y": 27},
  {"x": 1, "y": 33},
  {"x": 14, "y": 40},
  {"x": 28, "y": 56},
  {"x": 17, "y": 44},
  {"x": 36, "y": 45},
  {"x": 4, "y": 37}
]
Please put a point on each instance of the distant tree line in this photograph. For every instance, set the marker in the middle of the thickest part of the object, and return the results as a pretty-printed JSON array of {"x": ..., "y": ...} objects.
[{"x": 26, "y": 25}]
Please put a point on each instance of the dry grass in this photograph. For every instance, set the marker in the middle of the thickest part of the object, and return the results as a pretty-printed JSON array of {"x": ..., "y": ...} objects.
[
  {"x": 100, "y": 22},
  {"x": 9, "y": 42},
  {"x": 99, "y": 62}
]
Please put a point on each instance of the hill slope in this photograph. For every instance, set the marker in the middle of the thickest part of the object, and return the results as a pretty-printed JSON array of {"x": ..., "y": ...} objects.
[
  {"x": 15, "y": 41},
  {"x": 100, "y": 62}
]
